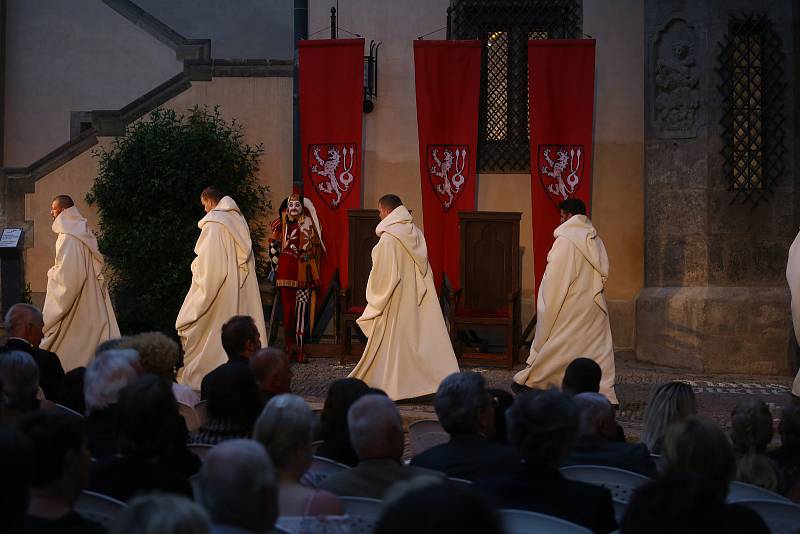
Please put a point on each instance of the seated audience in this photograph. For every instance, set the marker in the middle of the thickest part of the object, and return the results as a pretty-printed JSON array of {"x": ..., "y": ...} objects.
[
  {"x": 582, "y": 376},
  {"x": 239, "y": 488},
  {"x": 597, "y": 445},
  {"x": 436, "y": 509},
  {"x": 272, "y": 372},
  {"x": 787, "y": 456},
  {"x": 465, "y": 411},
  {"x": 285, "y": 428},
  {"x": 673, "y": 401},
  {"x": 145, "y": 419},
  {"x": 240, "y": 340},
  {"x": 233, "y": 404},
  {"x": 19, "y": 375},
  {"x": 107, "y": 374},
  {"x": 72, "y": 390},
  {"x": 60, "y": 472},
  {"x": 686, "y": 504},
  {"x": 161, "y": 514},
  {"x": 376, "y": 432},
  {"x": 334, "y": 432},
  {"x": 24, "y": 325},
  {"x": 158, "y": 355},
  {"x": 543, "y": 426},
  {"x": 16, "y": 466},
  {"x": 751, "y": 432},
  {"x": 501, "y": 402}
]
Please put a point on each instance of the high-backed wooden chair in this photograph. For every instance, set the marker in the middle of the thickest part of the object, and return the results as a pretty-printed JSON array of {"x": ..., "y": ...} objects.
[
  {"x": 489, "y": 295},
  {"x": 353, "y": 298}
]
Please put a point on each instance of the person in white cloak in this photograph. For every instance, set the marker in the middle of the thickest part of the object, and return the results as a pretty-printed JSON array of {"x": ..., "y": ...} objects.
[
  {"x": 793, "y": 278},
  {"x": 572, "y": 314},
  {"x": 77, "y": 310},
  {"x": 408, "y": 352},
  {"x": 224, "y": 284}
]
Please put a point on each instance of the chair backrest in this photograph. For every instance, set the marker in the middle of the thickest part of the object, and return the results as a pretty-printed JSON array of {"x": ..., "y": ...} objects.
[
  {"x": 490, "y": 263},
  {"x": 200, "y": 449},
  {"x": 459, "y": 481},
  {"x": 190, "y": 416},
  {"x": 780, "y": 517},
  {"x": 315, "y": 445},
  {"x": 619, "y": 509},
  {"x": 364, "y": 513},
  {"x": 361, "y": 238},
  {"x": 201, "y": 410},
  {"x": 622, "y": 483},
  {"x": 523, "y": 522},
  {"x": 99, "y": 508},
  {"x": 321, "y": 468},
  {"x": 422, "y": 442},
  {"x": 318, "y": 524},
  {"x": 740, "y": 491},
  {"x": 69, "y": 411}
]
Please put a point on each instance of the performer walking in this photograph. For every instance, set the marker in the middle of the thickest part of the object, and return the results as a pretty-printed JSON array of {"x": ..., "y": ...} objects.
[
  {"x": 793, "y": 278},
  {"x": 224, "y": 284},
  {"x": 77, "y": 309},
  {"x": 408, "y": 351},
  {"x": 572, "y": 314}
]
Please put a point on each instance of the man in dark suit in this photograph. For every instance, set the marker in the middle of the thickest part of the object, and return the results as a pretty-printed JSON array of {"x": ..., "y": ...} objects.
[
  {"x": 24, "y": 325},
  {"x": 597, "y": 443},
  {"x": 465, "y": 411},
  {"x": 240, "y": 339},
  {"x": 543, "y": 426}
]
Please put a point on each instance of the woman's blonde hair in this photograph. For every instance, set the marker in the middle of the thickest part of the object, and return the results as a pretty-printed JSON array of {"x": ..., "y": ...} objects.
[
  {"x": 158, "y": 354},
  {"x": 669, "y": 402}
]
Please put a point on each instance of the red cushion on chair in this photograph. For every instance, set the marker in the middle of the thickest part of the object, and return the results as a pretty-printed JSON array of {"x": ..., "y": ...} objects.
[
  {"x": 496, "y": 313},
  {"x": 355, "y": 309}
]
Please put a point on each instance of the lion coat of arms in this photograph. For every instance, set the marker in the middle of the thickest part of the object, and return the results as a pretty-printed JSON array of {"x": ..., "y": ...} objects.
[
  {"x": 560, "y": 170},
  {"x": 330, "y": 169},
  {"x": 448, "y": 167}
]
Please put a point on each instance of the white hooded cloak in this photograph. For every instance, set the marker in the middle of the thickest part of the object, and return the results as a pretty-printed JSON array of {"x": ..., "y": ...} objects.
[
  {"x": 77, "y": 309},
  {"x": 572, "y": 314},
  {"x": 224, "y": 284},
  {"x": 793, "y": 278},
  {"x": 408, "y": 351}
]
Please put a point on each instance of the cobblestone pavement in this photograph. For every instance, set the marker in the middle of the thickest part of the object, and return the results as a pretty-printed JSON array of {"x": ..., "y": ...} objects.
[{"x": 716, "y": 394}]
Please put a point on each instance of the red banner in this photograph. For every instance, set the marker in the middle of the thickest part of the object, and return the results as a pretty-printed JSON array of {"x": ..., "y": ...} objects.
[
  {"x": 561, "y": 82},
  {"x": 448, "y": 85},
  {"x": 331, "y": 104}
]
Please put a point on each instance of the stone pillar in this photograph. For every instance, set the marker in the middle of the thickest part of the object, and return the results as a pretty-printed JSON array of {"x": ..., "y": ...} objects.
[{"x": 715, "y": 296}]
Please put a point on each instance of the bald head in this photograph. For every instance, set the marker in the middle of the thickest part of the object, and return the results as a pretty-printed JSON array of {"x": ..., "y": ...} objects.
[
  {"x": 272, "y": 371},
  {"x": 25, "y": 322},
  {"x": 376, "y": 428}
]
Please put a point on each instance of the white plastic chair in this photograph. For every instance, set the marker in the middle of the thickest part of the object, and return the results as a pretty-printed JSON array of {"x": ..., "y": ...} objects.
[
  {"x": 69, "y": 411},
  {"x": 190, "y": 416},
  {"x": 99, "y": 508},
  {"x": 200, "y": 449},
  {"x": 780, "y": 517},
  {"x": 460, "y": 481},
  {"x": 524, "y": 522},
  {"x": 619, "y": 509},
  {"x": 314, "y": 524},
  {"x": 321, "y": 468},
  {"x": 424, "y": 426},
  {"x": 741, "y": 491},
  {"x": 620, "y": 482},
  {"x": 424, "y": 434},
  {"x": 364, "y": 513}
]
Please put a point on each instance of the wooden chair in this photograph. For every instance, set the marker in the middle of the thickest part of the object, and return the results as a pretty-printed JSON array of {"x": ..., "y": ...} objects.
[
  {"x": 353, "y": 298},
  {"x": 489, "y": 295}
]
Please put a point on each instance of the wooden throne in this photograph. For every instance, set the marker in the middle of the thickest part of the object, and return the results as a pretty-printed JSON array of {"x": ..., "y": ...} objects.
[{"x": 489, "y": 295}]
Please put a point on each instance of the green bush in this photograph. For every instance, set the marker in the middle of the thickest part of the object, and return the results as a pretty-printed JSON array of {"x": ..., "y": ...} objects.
[{"x": 148, "y": 199}]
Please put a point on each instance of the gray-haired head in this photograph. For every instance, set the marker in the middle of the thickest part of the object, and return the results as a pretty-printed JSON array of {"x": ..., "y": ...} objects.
[
  {"x": 161, "y": 514},
  {"x": 238, "y": 485},
  {"x": 19, "y": 375},
  {"x": 376, "y": 428},
  {"x": 669, "y": 402},
  {"x": 285, "y": 425},
  {"x": 543, "y": 425},
  {"x": 111, "y": 344},
  {"x": 595, "y": 414},
  {"x": 105, "y": 377},
  {"x": 20, "y": 316},
  {"x": 462, "y": 402}
]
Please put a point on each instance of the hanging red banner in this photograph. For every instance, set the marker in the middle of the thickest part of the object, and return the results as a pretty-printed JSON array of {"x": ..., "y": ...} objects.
[
  {"x": 561, "y": 89},
  {"x": 448, "y": 88},
  {"x": 331, "y": 103}
]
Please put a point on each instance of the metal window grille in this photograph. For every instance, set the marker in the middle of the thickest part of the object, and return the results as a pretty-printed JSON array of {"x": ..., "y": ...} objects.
[
  {"x": 504, "y": 27},
  {"x": 752, "y": 88}
]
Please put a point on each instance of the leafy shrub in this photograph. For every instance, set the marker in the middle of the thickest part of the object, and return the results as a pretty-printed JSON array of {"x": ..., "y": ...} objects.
[{"x": 148, "y": 199}]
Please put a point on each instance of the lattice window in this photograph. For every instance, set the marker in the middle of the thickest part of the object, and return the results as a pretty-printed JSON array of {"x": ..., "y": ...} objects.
[
  {"x": 752, "y": 87},
  {"x": 504, "y": 27}
]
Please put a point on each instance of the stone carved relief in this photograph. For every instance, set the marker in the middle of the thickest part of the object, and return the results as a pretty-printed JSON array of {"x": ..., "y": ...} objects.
[{"x": 676, "y": 98}]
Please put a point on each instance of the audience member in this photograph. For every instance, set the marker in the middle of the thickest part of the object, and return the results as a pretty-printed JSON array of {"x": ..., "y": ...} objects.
[
  {"x": 240, "y": 338},
  {"x": 238, "y": 487},
  {"x": 24, "y": 325},
  {"x": 436, "y": 509},
  {"x": 465, "y": 411},
  {"x": 787, "y": 456},
  {"x": 543, "y": 426},
  {"x": 501, "y": 402},
  {"x": 19, "y": 375},
  {"x": 597, "y": 445},
  {"x": 582, "y": 376},
  {"x": 107, "y": 374},
  {"x": 285, "y": 428},
  {"x": 60, "y": 472},
  {"x": 686, "y": 504},
  {"x": 673, "y": 401},
  {"x": 751, "y": 432},
  {"x": 145, "y": 419},
  {"x": 376, "y": 432},
  {"x": 233, "y": 404},
  {"x": 272, "y": 372},
  {"x": 334, "y": 432},
  {"x": 158, "y": 355},
  {"x": 72, "y": 390},
  {"x": 161, "y": 514},
  {"x": 111, "y": 344},
  {"x": 16, "y": 466}
]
